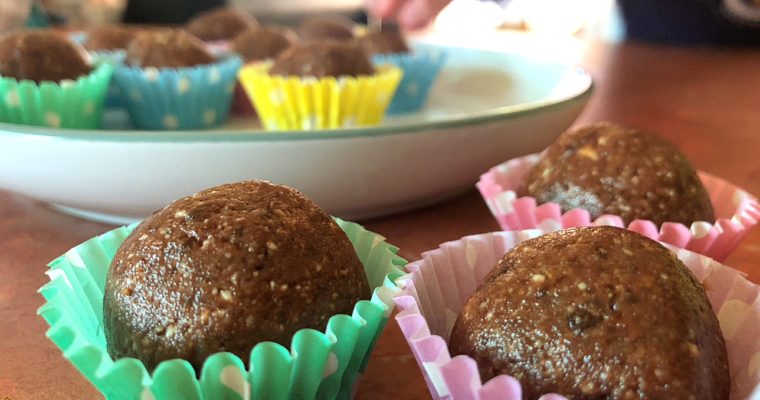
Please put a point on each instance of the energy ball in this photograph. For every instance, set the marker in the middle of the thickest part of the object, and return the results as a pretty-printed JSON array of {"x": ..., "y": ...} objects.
[
  {"x": 42, "y": 56},
  {"x": 607, "y": 169},
  {"x": 169, "y": 48},
  {"x": 220, "y": 24},
  {"x": 595, "y": 313},
  {"x": 320, "y": 29},
  {"x": 322, "y": 60},
  {"x": 384, "y": 42},
  {"x": 225, "y": 269},
  {"x": 259, "y": 44},
  {"x": 109, "y": 38}
]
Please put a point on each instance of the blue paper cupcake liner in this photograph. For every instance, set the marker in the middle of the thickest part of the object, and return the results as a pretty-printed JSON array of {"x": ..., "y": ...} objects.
[
  {"x": 115, "y": 58},
  {"x": 421, "y": 68},
  {"x": 183, "y": 98}
]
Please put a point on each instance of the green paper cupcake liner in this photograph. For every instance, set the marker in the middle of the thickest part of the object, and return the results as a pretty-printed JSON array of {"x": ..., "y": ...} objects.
[
  {"x": 115, "y": 58},
  {"x": 320, "y": 365},
  {"x": 67, "y": 104}
]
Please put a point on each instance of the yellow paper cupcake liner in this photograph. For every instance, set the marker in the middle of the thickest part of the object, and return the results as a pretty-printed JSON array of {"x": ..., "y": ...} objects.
[{"x": 294, "y": 103}]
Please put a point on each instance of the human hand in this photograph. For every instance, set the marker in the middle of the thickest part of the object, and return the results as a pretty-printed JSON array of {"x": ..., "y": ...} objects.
[{"x": 409, "y": 14}]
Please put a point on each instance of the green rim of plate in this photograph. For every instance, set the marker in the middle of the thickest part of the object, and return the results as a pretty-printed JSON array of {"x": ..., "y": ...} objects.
[
  {"x": 243, "y": 135},
  {"x": 321, "y": 365}
]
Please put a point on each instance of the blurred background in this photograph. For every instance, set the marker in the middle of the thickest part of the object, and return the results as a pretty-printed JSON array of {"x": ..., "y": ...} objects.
[
  {"x": 549, "y": 29},
  {"x": 552, "y": 29},
  {"x": 598, "y": 18}
]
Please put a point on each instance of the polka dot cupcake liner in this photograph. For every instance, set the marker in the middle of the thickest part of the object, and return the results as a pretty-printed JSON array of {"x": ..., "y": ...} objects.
[
  {"x": 293, "y": 103},
  {"x": 115, "y": 58},
  {"x": 178, "y": 98},
  {"x": 436, "y": 288},
  {"x": 65, "y": 104},
  {"x": 421, "y": 68},
  {"x": 736, "y": 210},
  {"x": 324, "y": 365}
]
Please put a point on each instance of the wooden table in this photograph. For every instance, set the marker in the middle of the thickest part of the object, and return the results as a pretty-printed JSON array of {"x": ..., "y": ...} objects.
[{"x": 706, "y": 101}]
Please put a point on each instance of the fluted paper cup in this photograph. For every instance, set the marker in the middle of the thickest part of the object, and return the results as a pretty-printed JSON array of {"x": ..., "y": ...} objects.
[
  {"x": 178, "y": 98},
  {"x": 437, "y": 287},
  {"x": 295, "y": 103},
  {"x": 323, "y": 365},
  {"x": 421, "y": 68},
  {"x": 736, "y": 211},
  {"x": 74, "y": 104}
]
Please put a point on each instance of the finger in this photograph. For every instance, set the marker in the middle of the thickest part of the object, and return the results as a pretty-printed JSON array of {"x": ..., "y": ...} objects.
[
  {"x": 386, "y": 9},
  {"x": 416, "y": 14}
]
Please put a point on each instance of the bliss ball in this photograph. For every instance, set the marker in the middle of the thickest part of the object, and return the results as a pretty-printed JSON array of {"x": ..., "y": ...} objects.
[
  {"x": 220, "y": 24},
  {"x": 595, "y": 313},
  {"x": 42, "y": 56},
  {"x": 225, "y": 269},
  {"x": 384, "y": 42},
  {"x": 325, "y": 59},
  {"x": 321, "y": 29},
  {"x": 168, "y": 48},
  {"x": 608, "y": 169},
  {"x": 260, "y": 44}
]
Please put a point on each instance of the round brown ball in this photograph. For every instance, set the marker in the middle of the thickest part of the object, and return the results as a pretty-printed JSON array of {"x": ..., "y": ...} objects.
[
  {"x": 261, "y": 43},
  {"x": 225, "y": 269},
  {"x": 147, "y": 28},
  {"x": 320, "y": 29},
  {"x": 322, "y": 60},
  {"x": 109, "y": 38},
  {"x": 167, "y": 48},
  {"x": 607, "y": 169},
  {"x": 220, "y": 24},
  {"x": 595, "y": 313},
  {"x": 384, "y": 42},
  {"x": 42, "y": 56}
]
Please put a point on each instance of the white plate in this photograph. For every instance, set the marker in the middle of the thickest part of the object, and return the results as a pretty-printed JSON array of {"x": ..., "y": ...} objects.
[{"x": 485, "y": 108}]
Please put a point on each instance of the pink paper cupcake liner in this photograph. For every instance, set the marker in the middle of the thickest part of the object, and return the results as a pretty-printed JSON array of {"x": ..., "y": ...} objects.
[
  {"x": 218, "y": 47},
  {"x": 437, "y": 286},
  {"x": 736, "y": 210}
]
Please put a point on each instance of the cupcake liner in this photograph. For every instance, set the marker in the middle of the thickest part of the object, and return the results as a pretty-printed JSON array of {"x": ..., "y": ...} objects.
[
  {"x": 317, "y": 365},
  {"x": 437, "y": 286},
  {"x": 736, "y": 210},
  {"x": 183, "y": 98},
  {"x": 292, "y": 103},
  {"x": 78, "y": 37},
  {"x": 421, "y": 68},
  {"x": 115, "y": 58},
  {"x": 218, "y": 47},
  {"x": 67, "y": 104}
]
